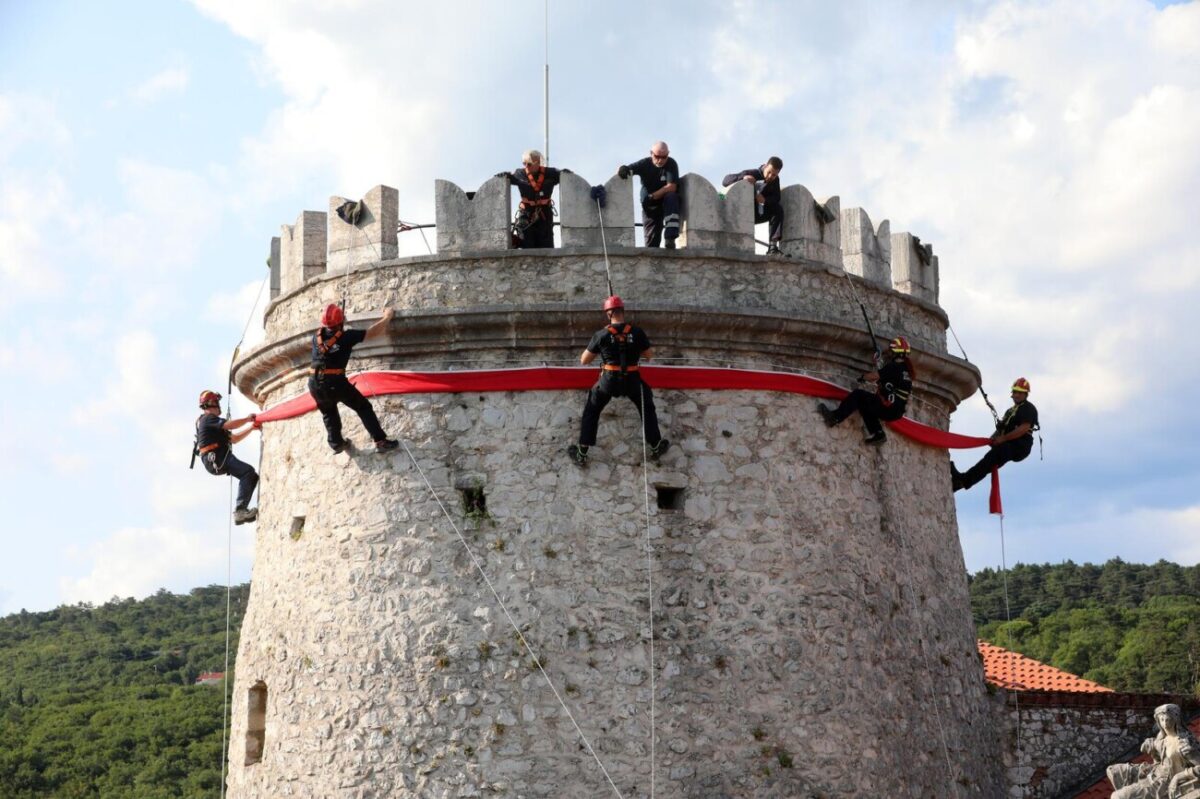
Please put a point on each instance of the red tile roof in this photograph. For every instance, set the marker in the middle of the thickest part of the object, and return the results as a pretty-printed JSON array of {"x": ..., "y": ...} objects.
[{"x": 1013, "y": 671}]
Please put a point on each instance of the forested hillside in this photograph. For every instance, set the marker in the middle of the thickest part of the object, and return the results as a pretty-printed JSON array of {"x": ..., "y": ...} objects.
[
  {"x": 1127, "y": 626},
  {"x": 100, "y": 702}
]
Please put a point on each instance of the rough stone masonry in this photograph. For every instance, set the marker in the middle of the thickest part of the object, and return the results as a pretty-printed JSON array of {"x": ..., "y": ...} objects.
[{"x": 811, "y": 626}]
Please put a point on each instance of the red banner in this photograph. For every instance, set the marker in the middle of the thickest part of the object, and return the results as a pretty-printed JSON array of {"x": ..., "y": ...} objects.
[{"x": 565, "y": 378}]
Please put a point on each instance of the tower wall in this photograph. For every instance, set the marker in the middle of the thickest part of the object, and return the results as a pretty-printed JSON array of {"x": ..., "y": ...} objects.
[{"x": 812, "y": 631}]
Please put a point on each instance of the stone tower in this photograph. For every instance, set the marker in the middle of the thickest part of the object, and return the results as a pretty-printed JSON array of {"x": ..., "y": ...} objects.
[{"x": 812, "y": 635}]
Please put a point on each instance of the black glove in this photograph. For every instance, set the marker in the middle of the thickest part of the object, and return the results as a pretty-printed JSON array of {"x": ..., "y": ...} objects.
[
  {"x": 504, "y": 175},
  {"x": 623, "y": 172}
]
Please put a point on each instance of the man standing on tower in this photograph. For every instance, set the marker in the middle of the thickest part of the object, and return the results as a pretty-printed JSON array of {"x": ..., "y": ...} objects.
[
  {"x": 620, "y": 346},
  {"x": 1012, "y": 441},
  {"x": 331, "y": 346},
  {"x": 660, "y": 194},
  {"x": 768, "y": 198},
  {"x": 887, "y": 402},
  {"x": 215, "y": 438},
  {"x": 534, "y": 225}
]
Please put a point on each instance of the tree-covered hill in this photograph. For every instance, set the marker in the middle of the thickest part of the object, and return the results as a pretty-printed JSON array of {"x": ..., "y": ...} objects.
[
  {"x": 1128, "y": 626},
  {"x": 101, "y": 701}
]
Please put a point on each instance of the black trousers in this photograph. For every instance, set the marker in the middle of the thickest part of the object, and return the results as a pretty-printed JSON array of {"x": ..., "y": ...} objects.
[
  {"x": 771, "y": 213},
  {"x": 224, "y": 462},
  {"x": 659, "y": 218},
  {"x": 870, "y": 408},
  {"x": 333, "y": 389},
  {"x": 539, "y": 234},
  {"x": 611, "y": 385},
  {"x": 996, "y": 457}
]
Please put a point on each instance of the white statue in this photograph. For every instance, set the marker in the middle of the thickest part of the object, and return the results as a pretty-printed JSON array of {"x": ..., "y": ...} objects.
[{"x": 1175, "y": 765}]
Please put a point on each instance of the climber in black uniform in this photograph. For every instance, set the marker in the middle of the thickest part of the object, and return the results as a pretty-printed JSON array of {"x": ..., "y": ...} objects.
[
  {"x": 887, "y": 402},
  {"x": 215, "y": 438},
  {"x": 327, "y": 383},
  {"x": 620, "y": 346},
  {"x": 660, "y": 194},
  {"x": 534, "y": 225},
  {"x": 1012, "y": 441}
]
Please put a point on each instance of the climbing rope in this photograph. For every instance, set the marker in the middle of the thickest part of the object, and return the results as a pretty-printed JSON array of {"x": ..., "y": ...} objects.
[
  {"x": 906, "y": 557},
  {"x": 599, "y": 196},
  {"x": 503, "y": 607},
  {"x": 649, "y": 582},
  {"x": 866, "y": 318},
  {"x": 1012, "y": 659},
  {"x": 227, "y": 686},
  {"x": 982, "y": 393},
  {"x": 403, "y": 226}
]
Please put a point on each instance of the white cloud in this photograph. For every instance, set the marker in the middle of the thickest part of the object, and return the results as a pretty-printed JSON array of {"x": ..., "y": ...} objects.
[
  {"x": 135, "y": 562},
  {"x": 168, "y": 81},
  {"x": 243, "y": 309}
]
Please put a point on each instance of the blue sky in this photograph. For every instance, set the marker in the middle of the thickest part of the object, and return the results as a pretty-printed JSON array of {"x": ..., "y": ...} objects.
[{"x": 1050, "y": 151}]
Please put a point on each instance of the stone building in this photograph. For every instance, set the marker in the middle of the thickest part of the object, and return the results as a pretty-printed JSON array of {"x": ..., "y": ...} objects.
[{"x": 774, "y": 610}]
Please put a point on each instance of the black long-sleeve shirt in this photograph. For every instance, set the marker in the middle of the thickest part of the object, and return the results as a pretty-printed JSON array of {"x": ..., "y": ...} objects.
[{"x": 769, "y": 189}]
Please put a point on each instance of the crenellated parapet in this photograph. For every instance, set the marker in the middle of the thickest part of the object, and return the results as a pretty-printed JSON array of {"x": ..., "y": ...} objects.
[{"x": 478, "y": 223}]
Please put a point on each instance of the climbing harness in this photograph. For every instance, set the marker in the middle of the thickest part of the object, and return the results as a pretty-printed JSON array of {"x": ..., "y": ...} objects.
[{"x": 504, "y": 608}]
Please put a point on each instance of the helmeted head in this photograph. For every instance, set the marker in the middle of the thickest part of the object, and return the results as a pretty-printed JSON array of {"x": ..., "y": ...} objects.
[
  {"x": 209, "y": 399},
  {"x": 1020, "y": 389},
  {"x": 899, "y": 346},
  {"x": 614, "y": 303},
  {"x": 332, "y": 316}
]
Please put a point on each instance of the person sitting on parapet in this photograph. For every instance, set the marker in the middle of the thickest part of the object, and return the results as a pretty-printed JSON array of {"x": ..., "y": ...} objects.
[
  {"x": 620, "y": 346},
  {"x": 215, "y": 438},
  {"x": 533, "y": 227},
  {"x": 768, "y": 198},
  {"x": 331, "y": 346},
  {"x": 894, "y": 386},
  {"x": 660, "y": 194},
  {"x": 1012, "y": 441}
]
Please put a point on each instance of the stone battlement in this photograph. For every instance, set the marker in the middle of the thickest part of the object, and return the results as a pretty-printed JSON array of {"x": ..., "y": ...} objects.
[{"x": 478, "y": 223}]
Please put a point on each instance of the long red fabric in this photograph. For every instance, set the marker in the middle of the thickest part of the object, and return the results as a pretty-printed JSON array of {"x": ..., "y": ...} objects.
[{"x": 561, "y": 378}]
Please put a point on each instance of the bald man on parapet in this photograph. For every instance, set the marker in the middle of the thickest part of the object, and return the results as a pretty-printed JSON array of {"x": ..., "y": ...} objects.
[{"x": 660, "y": 194}]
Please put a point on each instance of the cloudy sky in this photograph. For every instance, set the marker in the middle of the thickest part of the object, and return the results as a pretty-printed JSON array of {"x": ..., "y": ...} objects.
[{"x": 149, "y": 150}]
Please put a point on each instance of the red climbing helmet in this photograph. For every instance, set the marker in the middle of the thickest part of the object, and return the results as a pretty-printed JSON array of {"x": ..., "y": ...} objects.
[
  {"x": 614, "y": 303},
  {"x": 900, "y": 345},
  {"x": 332, "y": 316},
  {"x": 209, "y": 399},
  {"x": 1021, "y": 384}
]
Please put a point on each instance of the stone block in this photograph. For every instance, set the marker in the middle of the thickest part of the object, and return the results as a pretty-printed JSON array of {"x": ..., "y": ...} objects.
[
  {"x": 373, "y": 239},
  {"x": 476, "y": 222},
  {"x": 580, "y": 220},
  {"x": 302, "y": 250},
  {"x": 914, "y": 267},
  {"x": 865, "y": 248},
  {"x": 273, "y": 263},
  {"x": 807, "y": 231},
  {"x": 714, "y": 221}
]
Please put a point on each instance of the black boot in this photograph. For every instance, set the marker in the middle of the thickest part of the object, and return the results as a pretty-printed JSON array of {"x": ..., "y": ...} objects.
[
  {"x": 660, "y": 449},
  {"x": 827, "y": 414},
  {"x": 386, "y": 445},
  {"x": 876, "y": 438},
  {"x": 578, "y": 453}
]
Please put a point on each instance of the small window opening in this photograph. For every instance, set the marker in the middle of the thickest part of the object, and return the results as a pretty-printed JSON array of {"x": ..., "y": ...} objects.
[
  {"x": 669, "y": 498},
  {"x": 474, "y": 501},
  {"x": 256, "y": 723},
  {"x": 297, "y": 528}
]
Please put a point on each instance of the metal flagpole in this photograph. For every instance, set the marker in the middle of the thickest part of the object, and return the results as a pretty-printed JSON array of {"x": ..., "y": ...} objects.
[{"x": 546, "y": 90}]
